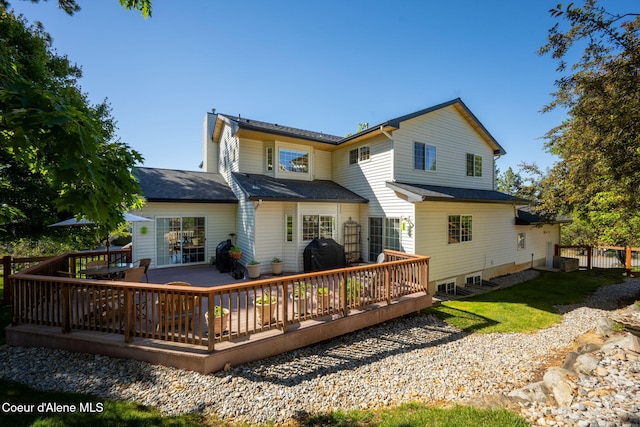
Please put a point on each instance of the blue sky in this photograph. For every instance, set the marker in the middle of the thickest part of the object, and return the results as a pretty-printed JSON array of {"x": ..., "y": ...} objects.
[{"x": 323, "y": 66}]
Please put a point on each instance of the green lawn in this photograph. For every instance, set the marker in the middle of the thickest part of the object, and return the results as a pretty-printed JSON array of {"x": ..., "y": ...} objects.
[
  {"x": 418, "y": 415},
  {"x": 526, "y": 307}
]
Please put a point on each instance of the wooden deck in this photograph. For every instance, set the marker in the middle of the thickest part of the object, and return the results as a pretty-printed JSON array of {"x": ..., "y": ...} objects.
[{"x": 166, "y": 324}]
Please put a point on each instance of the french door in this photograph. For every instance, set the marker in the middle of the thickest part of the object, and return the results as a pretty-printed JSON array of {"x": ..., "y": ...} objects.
[
  {"x": 180, "y": 240},
  {"x": 384, "y": 233}
]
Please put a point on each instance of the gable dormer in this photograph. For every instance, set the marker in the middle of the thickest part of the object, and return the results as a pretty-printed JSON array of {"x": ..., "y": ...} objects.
[{"x": 252, "y": 146}]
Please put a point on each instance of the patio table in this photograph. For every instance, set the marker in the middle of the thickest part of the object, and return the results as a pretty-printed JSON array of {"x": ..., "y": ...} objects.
[{"x": 104, "y": 272}]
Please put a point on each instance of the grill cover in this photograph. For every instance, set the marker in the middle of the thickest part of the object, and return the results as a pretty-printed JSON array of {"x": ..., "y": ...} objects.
[
  {"x": 323, "y": 254},
  {"x": 224, "y": 263}
]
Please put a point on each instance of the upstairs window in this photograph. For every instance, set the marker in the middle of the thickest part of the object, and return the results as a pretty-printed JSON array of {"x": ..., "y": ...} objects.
[
  {"x": 359, "y": 154},
  {"x": 474, "y": 165},
  {"x": 424, "y": 157},
  {"x": 294, "y": 161}
]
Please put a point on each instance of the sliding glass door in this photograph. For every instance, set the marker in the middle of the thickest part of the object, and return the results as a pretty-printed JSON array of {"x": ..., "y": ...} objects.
[{"x": 180, "y": 240}]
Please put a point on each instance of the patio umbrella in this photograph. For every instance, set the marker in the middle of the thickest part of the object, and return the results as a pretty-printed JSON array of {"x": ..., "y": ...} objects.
[{"x": 129, "y": 217}]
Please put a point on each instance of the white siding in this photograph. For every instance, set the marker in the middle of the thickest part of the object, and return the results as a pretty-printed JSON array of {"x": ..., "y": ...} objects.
[
  {"x": 210, "y": 149},
  {"x": 269, "y": 233},
  {"x": 369, "y": 180},
  {"x": 536, "y": 241},
  {"x": 229, "y": 148},
  {"x": 493, "y": 243},
  {"x": 220, "y": 220},
  {"x": 290, "y": 249},
  {"x": 453, "y": 138},
  {"x": 252, "y": 156},
  {"x": 245, "y": 226},
  {"x": 322, "y": 162}
]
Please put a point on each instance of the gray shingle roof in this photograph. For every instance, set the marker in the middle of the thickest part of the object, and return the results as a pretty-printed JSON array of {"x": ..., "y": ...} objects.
[
  {"x": 451, "y": 194},
  {"x": 167, "y": 185},
  {"x": 277, "y": 129},
  {"x": 526, "y": 216},
  {"x": 258, "y": 187}
]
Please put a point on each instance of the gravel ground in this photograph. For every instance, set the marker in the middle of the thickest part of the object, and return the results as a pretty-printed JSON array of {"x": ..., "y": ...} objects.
[{"x": 415, "y": 358}]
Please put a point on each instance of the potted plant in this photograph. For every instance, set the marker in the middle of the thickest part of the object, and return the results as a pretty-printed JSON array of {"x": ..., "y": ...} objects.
[
  {"x": 235, "y": 252},
  {"x": 276, "y": 266},
  {"x": 220, "y": 319},
  {"x": 253, "y": 268},
  {"x": 266, "y": 308},
  {"x": 324, "y": 298},
  {"x": 301, "y": 297}
]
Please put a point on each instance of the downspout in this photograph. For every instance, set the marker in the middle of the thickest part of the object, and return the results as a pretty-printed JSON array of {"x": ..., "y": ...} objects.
[{"x": 393, "y": 159}]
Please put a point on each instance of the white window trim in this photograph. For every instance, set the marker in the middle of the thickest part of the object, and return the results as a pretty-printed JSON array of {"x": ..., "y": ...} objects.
[
  {"x": 286, "y": 231},
  {"x": 359, "y": 155},
  {"x": 449, "y": 281},
  {"x": 425, "y": 157},
  {"x": 524, "y": 241},
  {"x": 478, "y": 274},
  {"x": 474, "y": 166},
  {"x": 333, "y": 220},
  {"x": 269, "y": 152},
  {"x": 460, "y": 242}
]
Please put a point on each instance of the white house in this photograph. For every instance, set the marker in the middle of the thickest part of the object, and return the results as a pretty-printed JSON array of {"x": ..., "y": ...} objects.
[{"x": 420, "y": 183}]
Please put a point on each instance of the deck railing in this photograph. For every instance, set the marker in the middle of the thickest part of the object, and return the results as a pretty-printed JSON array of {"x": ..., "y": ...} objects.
[
  {"x": 76, "y": 262},
  {"x": 205, "y": 316}
]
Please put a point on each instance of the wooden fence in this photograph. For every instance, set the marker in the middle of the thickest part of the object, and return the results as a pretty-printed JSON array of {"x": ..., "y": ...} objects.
[
  {"x": 204, "y": 316},
  {"x": 605, "y": 257}
]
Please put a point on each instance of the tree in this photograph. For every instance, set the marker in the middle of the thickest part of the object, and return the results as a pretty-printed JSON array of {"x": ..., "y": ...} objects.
[
  {"x": 509, "y": 182},
  {"x": 51, "y": 136},
  {"x": 72, "y": 6},
  {"x": 599, "y": 143},
  {"x": 361, "y": 126}
]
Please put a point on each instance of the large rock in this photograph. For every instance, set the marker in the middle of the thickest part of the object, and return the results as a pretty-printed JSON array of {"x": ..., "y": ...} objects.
[
  {"x": 628, "y": 342},
  {"x": 605, "y": 327},
  {"x": 534, "y": 392},
  {"x": 589, "y": 342},
  {"x": 559, "y": 381},
  {"x": 586, "y": 364}
]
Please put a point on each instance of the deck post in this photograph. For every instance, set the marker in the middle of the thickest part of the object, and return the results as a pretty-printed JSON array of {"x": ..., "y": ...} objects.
[
  {"x": 589, "y": 255},
  {"x": 628, "y": 260},
  {"x": 424, "y": 276}
]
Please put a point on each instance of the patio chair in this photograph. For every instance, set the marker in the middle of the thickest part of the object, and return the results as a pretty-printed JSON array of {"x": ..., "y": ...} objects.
[
  {"x": 133, "y": 275},
  {"x": 144, "y": 262},
  {"x": 175, "y": 310}
]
